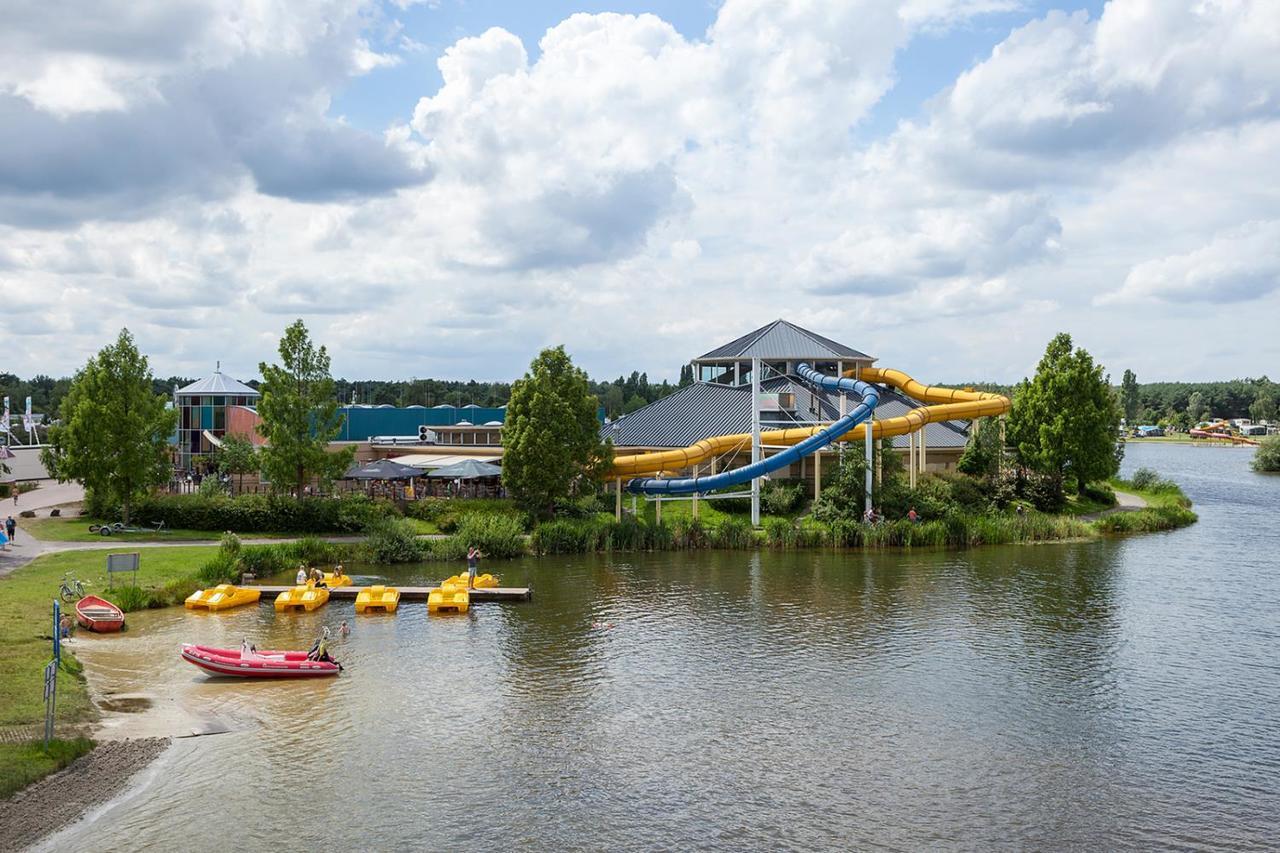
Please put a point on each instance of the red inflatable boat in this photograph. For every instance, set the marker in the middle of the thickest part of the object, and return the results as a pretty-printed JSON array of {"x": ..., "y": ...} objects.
[{"x": 259, "y": 665}]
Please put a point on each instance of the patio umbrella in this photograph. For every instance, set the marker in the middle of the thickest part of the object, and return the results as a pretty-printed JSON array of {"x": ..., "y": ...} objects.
[
  {"x": 382, "y": 469},
  {"x": 470, "y": 469}
]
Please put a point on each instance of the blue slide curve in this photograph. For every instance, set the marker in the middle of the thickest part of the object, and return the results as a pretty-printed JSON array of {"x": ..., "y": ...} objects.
[{"x": 687, "y": 485}]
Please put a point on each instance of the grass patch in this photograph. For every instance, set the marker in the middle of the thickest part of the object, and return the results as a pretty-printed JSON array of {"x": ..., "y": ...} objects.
[
  {"x": 77, "y": 530},
  {"x": 22, "y": 764},
  {"x": 26, "y": 631},
  {"x": 1168, "y": 507}
]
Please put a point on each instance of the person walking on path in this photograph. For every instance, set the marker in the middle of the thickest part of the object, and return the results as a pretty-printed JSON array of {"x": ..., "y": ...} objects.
[
  {"x": 473, "y": 564},
  {"x": 11, "y": 527}
]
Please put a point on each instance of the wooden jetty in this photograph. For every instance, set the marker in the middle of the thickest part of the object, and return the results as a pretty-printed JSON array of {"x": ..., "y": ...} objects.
[{"x": 413, "y": 593}]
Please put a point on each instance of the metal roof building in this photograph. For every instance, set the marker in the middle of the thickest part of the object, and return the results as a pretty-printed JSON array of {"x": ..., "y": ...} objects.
[{"x": 720, "y": 399}]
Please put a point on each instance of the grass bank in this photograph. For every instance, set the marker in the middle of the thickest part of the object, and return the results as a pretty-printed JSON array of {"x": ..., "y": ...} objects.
[
  {"x": 26, "y": 634},
  {"x": 22, "y": 764},
  {"x": 26, "y": 630},
  {"x": 63, "y": 529},
  {"x": 1168, "y": 507}
]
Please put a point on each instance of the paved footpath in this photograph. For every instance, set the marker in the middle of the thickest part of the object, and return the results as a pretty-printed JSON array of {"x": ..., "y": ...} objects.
[{"x": 1125, "y": 502}]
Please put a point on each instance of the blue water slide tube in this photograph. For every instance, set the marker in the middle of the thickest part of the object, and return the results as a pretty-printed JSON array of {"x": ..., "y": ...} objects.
[{"x": 687, "y": 485}]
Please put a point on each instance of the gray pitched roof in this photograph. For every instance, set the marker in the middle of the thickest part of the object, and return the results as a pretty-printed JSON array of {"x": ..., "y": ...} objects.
[
  {"x": 702, "y": 410},
  {"x": 783, "y": 340},
  {"x": 218, "y": 383}
]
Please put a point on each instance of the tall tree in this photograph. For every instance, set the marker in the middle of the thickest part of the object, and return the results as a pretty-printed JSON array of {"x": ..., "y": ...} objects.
[
  {"x": 1065, "y": 420},
  {"x": 1263, "y": 407},
  {"x": 552, "y": 437},
  {"x": 1196, "y": 407},
  {"x": 115, "y": 431},
  {"x": 237, "y": 456},
  {"x": 1129, "y": 396},
  {"x": 300, "y": 415}
]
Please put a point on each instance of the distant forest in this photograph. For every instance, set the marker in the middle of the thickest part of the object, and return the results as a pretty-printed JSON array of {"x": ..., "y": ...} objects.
[
  {"x": 620, "y": 396},
  {"x": 1175, "y": 403}
]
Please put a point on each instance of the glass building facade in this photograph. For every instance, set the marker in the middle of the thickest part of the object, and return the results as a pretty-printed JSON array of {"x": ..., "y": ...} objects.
[{"x": 202, "y": 412}]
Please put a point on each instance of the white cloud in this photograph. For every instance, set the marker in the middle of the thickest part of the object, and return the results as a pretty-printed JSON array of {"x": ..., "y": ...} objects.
[
  {"x": 634, "y": 192},
  {"x": 1234, "y": 267}
]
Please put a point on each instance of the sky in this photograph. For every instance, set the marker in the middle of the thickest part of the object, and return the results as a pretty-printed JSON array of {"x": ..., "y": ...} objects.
[{"x": 442, "y": 188}]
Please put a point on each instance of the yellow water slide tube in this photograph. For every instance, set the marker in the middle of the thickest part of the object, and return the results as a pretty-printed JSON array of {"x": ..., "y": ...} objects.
[{"x": 943, "y": 404}]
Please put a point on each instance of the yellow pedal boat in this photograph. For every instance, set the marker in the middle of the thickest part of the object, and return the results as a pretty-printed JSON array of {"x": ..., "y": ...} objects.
[
  {"x": 331, "y": 580},
  {"x": 222, "y": 597},
  {"x": 306, "y": 598},
  {"x": 448, "y": 600},
  {"x": 377, "y": 599}
]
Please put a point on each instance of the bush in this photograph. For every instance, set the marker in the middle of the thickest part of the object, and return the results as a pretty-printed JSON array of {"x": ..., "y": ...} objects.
[
  {"x": 255, "y": 513},
  {"x": 131, "y": 598},
  {"x": 498, "y": 536},
  {"x": 782, "y": 498},
  {"x": 735, "y": 533},
  {"x": 1144, "y": 479},
  {"x": 1100, "y": 493},
  {"x": 392, "y": 540},
  {"x": 570, "y": 536},
  {"x": 55, "y": 512},
  {"x": 1267, "y": 457}
]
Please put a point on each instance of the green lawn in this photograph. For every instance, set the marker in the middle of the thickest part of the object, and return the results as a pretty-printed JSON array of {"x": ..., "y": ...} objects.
[
  {"x": 708, "y": 511},
  {"x": 22, "y": 764},
  {"x": 77, "y": 530},
  {"x": 26, "y": 625}
]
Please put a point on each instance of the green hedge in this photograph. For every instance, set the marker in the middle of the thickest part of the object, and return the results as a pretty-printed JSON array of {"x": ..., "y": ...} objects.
[{"x": 258, "y": 513}]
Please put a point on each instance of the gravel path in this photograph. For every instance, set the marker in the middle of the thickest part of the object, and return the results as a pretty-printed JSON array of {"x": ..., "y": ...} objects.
[{"x": 62, "y": 798}]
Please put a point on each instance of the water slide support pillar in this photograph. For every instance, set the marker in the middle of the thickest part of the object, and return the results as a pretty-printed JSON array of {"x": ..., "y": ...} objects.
[
  {"x": 817, "y": 473},
  {"x": 867, "y": 429},
  {"x": 911, "y": 459},
  {"x": 657, "y": 509},
  {"x": 695, "y": 494},
  {"x": 617, "y": 500},
  {"x": 755, "y": 439},
  {"x": 843, "y": 397},
  {"x": 923, "y": 453}
]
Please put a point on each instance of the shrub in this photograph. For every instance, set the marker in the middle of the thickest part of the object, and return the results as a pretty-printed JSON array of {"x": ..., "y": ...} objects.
[
  {"x": 131, "y": 598},
  {"x": 27, "y": 513},
  {"x": 733, "y": 533},
  {"x": 55, "y": 512},
  {"x": 392, "y": 540},
  {"x": 570, "y": 536},
  {"x": 499, "y": 536},
  {"x": 256, "y": 513},
  {"x": 1266, "y": 459},
  {"x": 780, "y": 533},
  {"x": 782, "y": 498},
  {"x": 1144, "y": 479},
  {"x": 1101, "y": 493}
]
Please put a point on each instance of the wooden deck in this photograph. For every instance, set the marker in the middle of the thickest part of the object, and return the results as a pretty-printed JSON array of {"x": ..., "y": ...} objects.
[{"x": 412, "y": 593}]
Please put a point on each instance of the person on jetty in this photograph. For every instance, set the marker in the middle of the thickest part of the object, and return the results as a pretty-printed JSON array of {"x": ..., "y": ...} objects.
[
  {"x": 302, "y": 574},
  {"x": 473, "y": 565},
  {"x": 317, "y": 577}
]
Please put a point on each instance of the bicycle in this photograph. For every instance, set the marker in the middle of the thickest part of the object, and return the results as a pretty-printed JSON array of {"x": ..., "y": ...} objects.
[{"x": 71, "y": 590}]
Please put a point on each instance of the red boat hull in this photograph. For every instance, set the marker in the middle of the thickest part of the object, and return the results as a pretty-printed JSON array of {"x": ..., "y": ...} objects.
[
  {"x": 265, "y": 665},
  {"x": 99, "y": 615}
]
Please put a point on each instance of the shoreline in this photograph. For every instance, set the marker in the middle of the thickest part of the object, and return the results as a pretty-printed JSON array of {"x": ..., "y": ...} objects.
[{"x": 63, "y": 798}]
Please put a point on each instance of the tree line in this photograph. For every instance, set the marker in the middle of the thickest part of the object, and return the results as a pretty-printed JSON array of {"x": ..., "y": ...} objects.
[{"x": 620, "y": 396}]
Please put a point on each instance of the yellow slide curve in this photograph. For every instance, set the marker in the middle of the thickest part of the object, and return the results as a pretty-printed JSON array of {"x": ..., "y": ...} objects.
[{"x": 945, "y": 404}]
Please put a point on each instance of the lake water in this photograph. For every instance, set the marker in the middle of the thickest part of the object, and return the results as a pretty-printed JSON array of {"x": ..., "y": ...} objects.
[{"x": 1108, "y": 695}]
